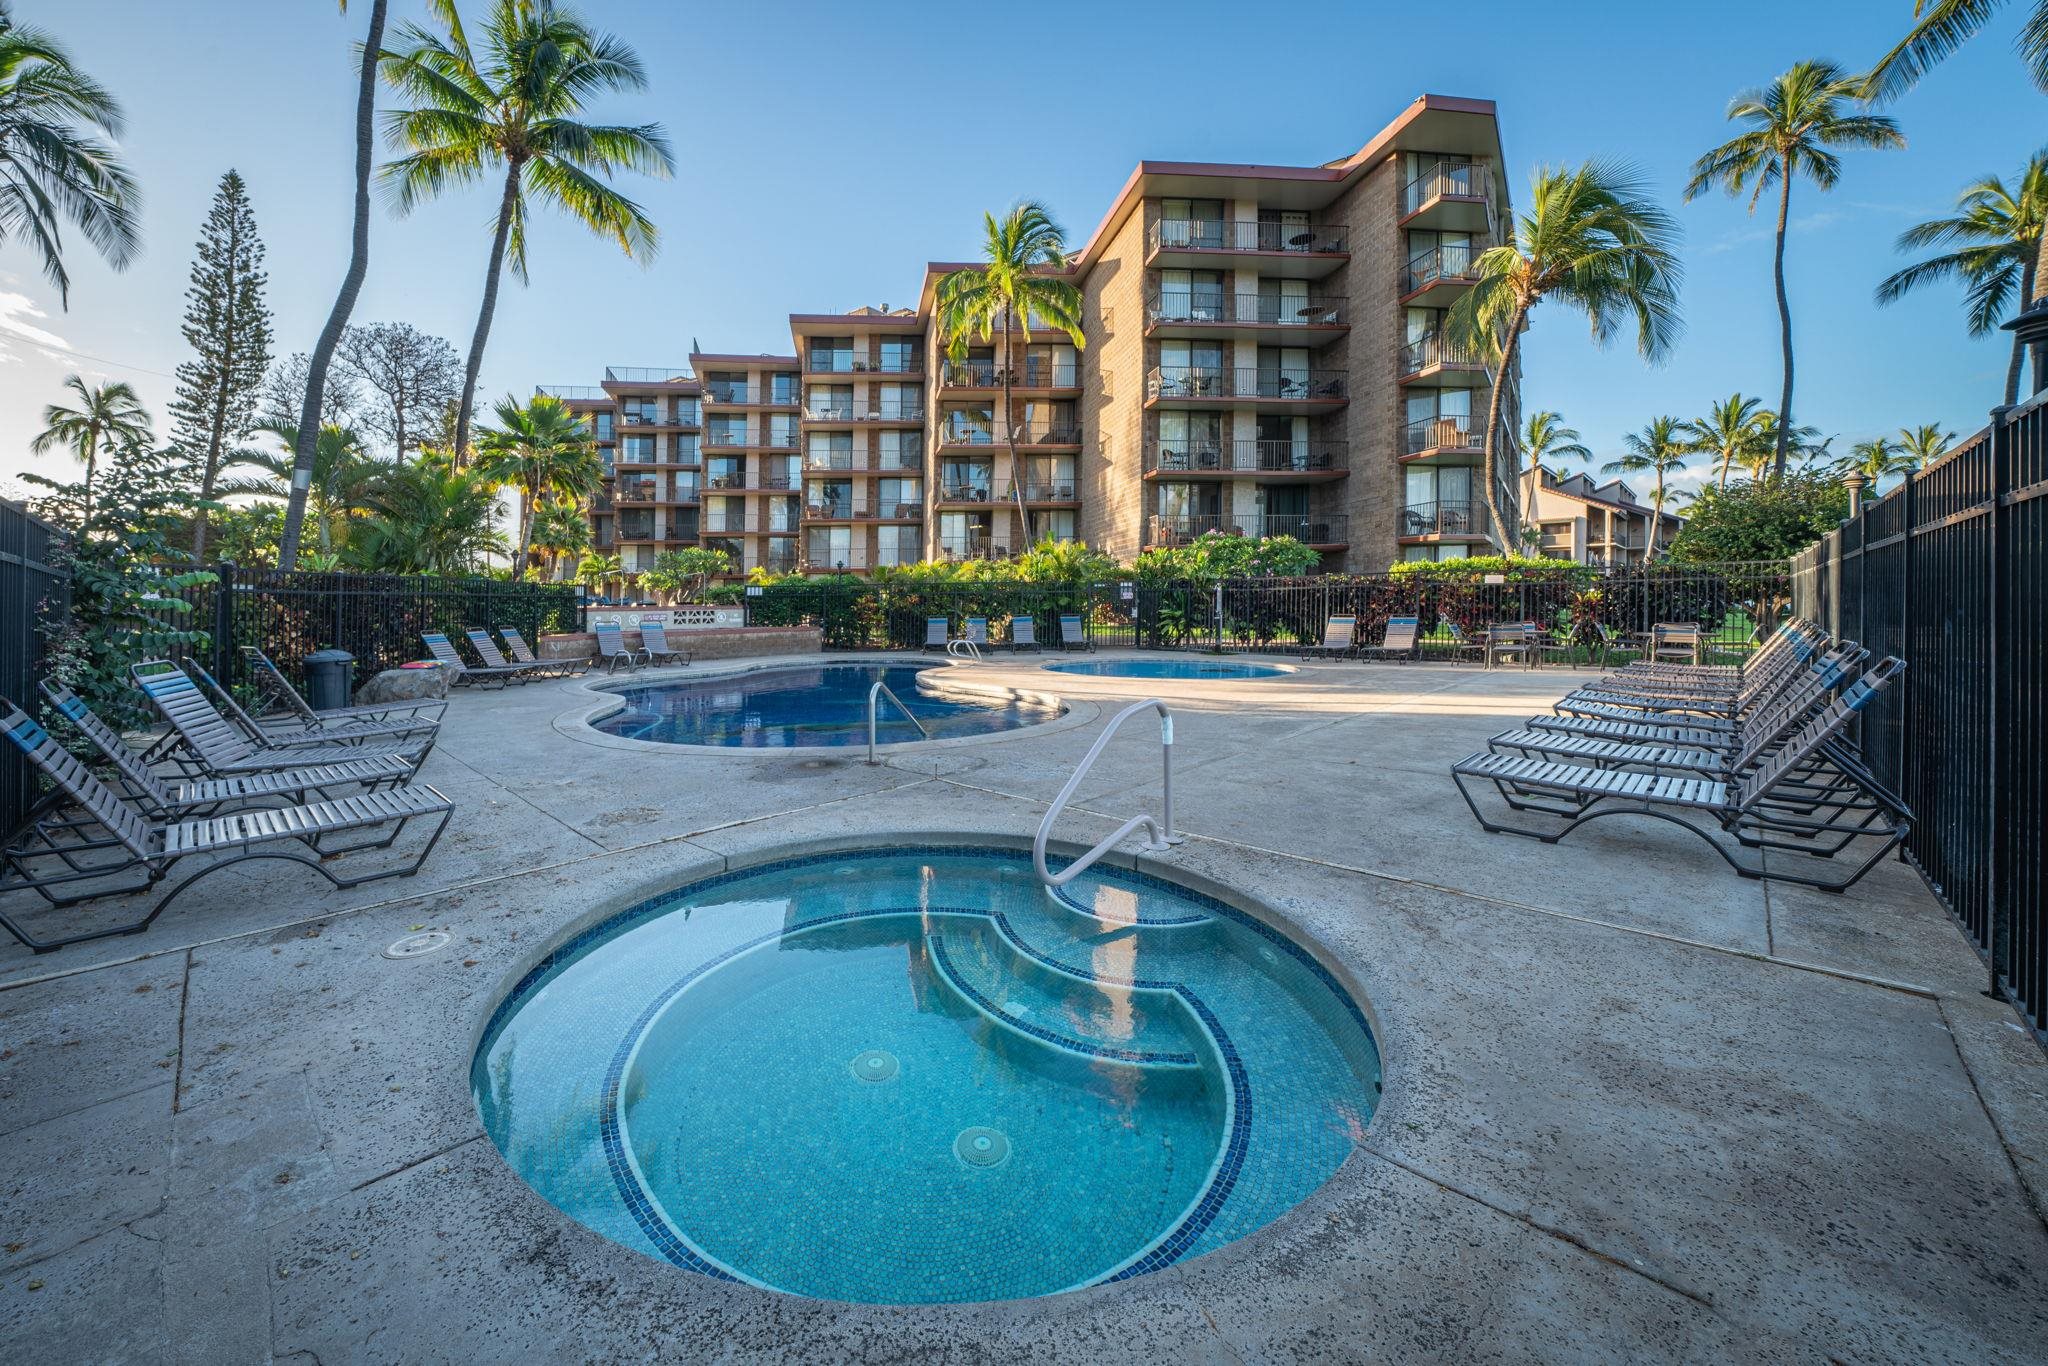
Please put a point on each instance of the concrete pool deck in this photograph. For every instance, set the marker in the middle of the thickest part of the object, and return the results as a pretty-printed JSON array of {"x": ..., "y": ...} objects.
[{"x": 1635, "y": 1106}]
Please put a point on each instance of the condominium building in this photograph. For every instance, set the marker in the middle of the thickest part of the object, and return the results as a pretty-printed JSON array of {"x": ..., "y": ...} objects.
[
  {"x": 1576, "y": 519},
  {"x": 1265, "y": 352}
]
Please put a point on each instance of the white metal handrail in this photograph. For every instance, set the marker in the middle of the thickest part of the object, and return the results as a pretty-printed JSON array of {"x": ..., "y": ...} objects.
[
  {"x": 963, "y": 648},
  {"x": 1159, "y": 838},
  {"x": 874, "y": 700}
]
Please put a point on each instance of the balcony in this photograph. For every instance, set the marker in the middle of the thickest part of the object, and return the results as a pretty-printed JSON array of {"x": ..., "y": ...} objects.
[
  {"x": 740, "y": 439},
  {"x": 574, "y": 393},
  {"x": 1440, "y": 274},
  {"x": 1464, "y": 519},
  {"x": 777, "y": 561},
  {"x": 733, "y": 393},
  {"x": 846, "y": 363},
  {"x": 1049, "y": 491},
  {"x": 977, "y": 493},
  {"x": 836, "y": 510},
  {"x": 858, "y": 462},
  {"x": 747, "y": 523},
  {"x": 1445, "y": 360},
  {"x": 868, "y": 412},
  {"x": 1027, "y": 433},
  {"x": 1453, "y": 439},
  {"x": 648, "y": 374},
  {"x": 826, "y": 559},
  {"x": 1307, "y": 459},
  {"x": 986, "y": 374},
  {"x": 1205, "y": 313},
  {"x": 1296, "y": 250},
  {"x": 1457, "y": 195},
  {"x": 981, "y": 547},
  {"x": 1199, "y": 385},
  {"x": 643, "y": 418},
  {"x": 1325, "y": 531},
  {"x": 633, "y": 491}
]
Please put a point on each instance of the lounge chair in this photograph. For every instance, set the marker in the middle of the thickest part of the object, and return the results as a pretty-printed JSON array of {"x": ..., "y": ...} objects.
[
  {"x": 612, "y": 649},
  {"x": 937, "y": 632},
  {"x": 1620, "y": 695},
  {"x": 1773, "y": 808},
  {"x": 976, "y": 633},
  {"x": 654, "y": 636},
  {"x": 173, "y": 798},
  {"x": 271, "y": 682},
  {"x": 1809, "y": 687},
  {"x": 1339, "y": 638},
  {"x": 1398, "y": 641},
  {"x": 522, "y": 653},
  {"x": 444, "y": 652},
  {"x": 293, "y": 731},
  {"x": 487, "y": 650},
  {"x": 203, "y": 743},
  {"x": 1074, "y": 633},
  {"x": 1023, "y": 633},
  {"x": 109, "y": 839}
]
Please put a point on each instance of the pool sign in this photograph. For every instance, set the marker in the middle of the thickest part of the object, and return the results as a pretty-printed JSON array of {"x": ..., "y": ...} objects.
[{"x": 1127, "y": 591}]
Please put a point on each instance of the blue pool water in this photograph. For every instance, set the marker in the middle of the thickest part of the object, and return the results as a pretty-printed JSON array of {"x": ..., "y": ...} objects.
[
  {"x": 910, "y": 1076},
  {"x": 1170, "y": 668},
  {"x": 813, "y": 706}
]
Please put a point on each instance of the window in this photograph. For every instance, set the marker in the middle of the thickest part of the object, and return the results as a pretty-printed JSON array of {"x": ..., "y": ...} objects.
[
  {"x": 831, "y": 403},
  {"x": 782, "y": 430},
  {"x": 685, "y": 448},
  {"x": 688, "y": 414},
  {"x": 974, "y": 424},
  {"x": 1191, "y": 296},
  {"x": 831, "y": 354},
  {"x": 726, "y": 386},
  {"x": 899, "y": 497},
  {"x": 604, "y": 426},
  {"x": 640, "y": 449},
  {"x": 831, "y": 450},
  {"x": 901, "y": 450},
  {"x": 899, "y": 401},
  {"x": 782, "y": 388},
  {"x": 1283, "y": 372},
  {"x": 831, "y": 497},
  {"x": 1191, "y": 223},
  {"x": 1284, "y": 301},
  {"x": 828, "y": 547},
  {"x": 1190, "y": 440},
  {"x": 966, "y": 480},
  {"x": 899, "y": 545},
  {"x": 1048, "y": 420},
  {"x": 1058, "y": 524},
  {"x": 899, "y": 357}
]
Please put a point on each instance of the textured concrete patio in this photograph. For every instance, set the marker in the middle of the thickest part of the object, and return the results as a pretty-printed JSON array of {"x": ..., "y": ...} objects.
[{"x": 1636, "y": 1108}]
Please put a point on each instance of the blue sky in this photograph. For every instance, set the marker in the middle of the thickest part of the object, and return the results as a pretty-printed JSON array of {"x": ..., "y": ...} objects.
[{"x": 827, "y": 151}]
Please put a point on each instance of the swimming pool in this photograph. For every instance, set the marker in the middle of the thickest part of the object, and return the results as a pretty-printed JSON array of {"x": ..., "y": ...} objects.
[
  {"x": 1170, "y": 668},
  {"x": 910, "y": 1076},
  {"x": 819, "y": 705}
]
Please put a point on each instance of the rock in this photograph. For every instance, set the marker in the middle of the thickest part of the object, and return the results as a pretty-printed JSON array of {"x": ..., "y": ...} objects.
[{"x": 405, "y": 685}]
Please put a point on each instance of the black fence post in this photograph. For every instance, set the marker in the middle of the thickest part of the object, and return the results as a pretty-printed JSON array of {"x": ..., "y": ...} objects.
[
  {"x": 1998, "y": 915},
  {"x": 223, "y": 629}
]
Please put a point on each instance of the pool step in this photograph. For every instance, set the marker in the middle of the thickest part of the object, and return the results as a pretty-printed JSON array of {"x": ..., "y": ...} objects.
[
  {"x": 1122, "y": 917},
  {"x": 1056, "y": 1010}
]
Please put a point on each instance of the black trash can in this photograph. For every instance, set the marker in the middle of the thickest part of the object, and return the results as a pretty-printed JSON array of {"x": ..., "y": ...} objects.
[{"x": 330, "y": 679}]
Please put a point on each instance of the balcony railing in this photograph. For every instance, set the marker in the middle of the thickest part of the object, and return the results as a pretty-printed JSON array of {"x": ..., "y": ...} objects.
[
  {"x": 1461, "y": 517},
  {"x": 982, "y": 547},
  {"x": 846, "y": 363},
  {"x": 1457, "y": 262},
  {"x": 1439, "y": 349},
  {"x": 1263, "y": 310},
  {"x": 634, "y": 491},
  {"x": 1028, "y": 434},
  {"x": 782, "y": 563},
  {"x": 1212, "y": 234},
  {"x": 731, "y": 391},
  {"x": 837, "y": 510},
  {"x": 1310, "y": 529},
  {"x": 1446, "y": 180},
  {"x": 981, "y": 491},
  {"x": 1214, "y": 382},
  {"x": 654, "y": 417},
  {"x": 822, "y": 462},
  {"x": 1455, "y": 432},
  {"x": 573, "y": 393},
  {"x": 1245, "y": 457},
  {"x": 648, "y": 374},
  {"x": 1052, "y": 491},
  {"x": 986, "y": 374},
  {"x": 824, "y": 557},
  {"x": 869, "y": 412}
]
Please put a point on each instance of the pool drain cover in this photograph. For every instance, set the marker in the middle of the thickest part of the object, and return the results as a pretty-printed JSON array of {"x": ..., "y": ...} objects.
[
  {"x": 979, "y": 1147},
  {"x": 874, "y": 1065},
  {"x": 413, "y": 945}
]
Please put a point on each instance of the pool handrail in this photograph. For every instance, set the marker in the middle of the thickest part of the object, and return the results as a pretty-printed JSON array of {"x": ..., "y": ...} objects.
[
  {"x": 1159, "y": 839},
  {"x": 962, "y": 648},
  {"x": 874, "y": 700}
]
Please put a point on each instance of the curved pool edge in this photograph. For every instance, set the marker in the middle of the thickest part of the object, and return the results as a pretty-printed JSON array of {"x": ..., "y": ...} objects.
[{"x": 1396, "y": 1102}]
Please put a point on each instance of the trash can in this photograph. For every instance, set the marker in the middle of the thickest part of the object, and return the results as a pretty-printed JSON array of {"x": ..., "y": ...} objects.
[{"x": 330, "y": 679}]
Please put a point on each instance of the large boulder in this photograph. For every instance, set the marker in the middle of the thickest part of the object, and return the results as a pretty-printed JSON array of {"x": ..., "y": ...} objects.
[{"x": 406, "y": 685}]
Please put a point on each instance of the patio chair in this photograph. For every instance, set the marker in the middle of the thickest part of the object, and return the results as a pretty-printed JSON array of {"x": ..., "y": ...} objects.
[
  {"x": 1074, "y": 633},
  {"x": 1398, "y": 641},
  {"x": 522, "y": 653},
  {"x": 1680, "y": 641},
  {"x": 1023, "y": 633},
  {"x": 977, "y": 632},
  {"x": 1511, "y": 640},
  {"x": 1339, "y": 639},
  {"x": 611, "y": 648},
  {"x": 271, "y": 682},
  {"x": 654, "y": 639},
  {"x": 487, "y": 650},
  {"x": 109, "y": 838},
  {"x": 937, "y": 632},
  {"x": 1463, "y": 646},
  {"x": 203, "y": 743},
  {"x": 287, "y": 731},
  {"x": 172, "y": 798},
  {"x": 1765, "y": 809},
  {"x": 444, "y": 652}
]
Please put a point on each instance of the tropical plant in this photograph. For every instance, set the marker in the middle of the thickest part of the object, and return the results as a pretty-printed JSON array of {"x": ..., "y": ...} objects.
[
  {"x": 1055, "y": 561},
  {"x": 1926, "y": 443},
  {"x": 1545, "y": 439},
  {"x": 1942, "y": 26},
  {"x": 685, "y": 572},
  {"x": 1876, "y": 460},
  {"x": 1658, "y": 450},
  {"x": 515, "y": 104},
  {"x": 284, "y": 394},
  {"x": 246, "y": 535},
  {"x": 1733, "y": 429},
  {"x": 1216, "y": 555},
  {"x": 52, "y": 168},
  {"x": 227, "y": 326},
  {"x": 414, "y": 375},
  {"x": 342, "y": 482},
  {"x": 596, "y": 570},
  {"x": 1591, "y": 240},
  {"x": 1995, "y": 240},
  {"x": 560, "y": 529},
  {"x": 312, "y": 408},
  {"x": 544, "y": 451},
  {"x": 428, "y": 518},
  {"x": 108, "y": 417},
  {"x": 1016, "y": 286},
  {"x": 1771, "y": 519},
  {"x": 1794, "y": 123},
  {"x": 1802, "y": 442}
]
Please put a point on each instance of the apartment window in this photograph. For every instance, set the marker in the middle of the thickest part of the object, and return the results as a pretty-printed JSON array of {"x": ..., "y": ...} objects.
[
  {"x": 1192, "y": 368},
  {"x": 831, "y": 450},
  {"x": 899, "y": 497},
  {"x": 686, "y": 452},
  {"x": 900, "y": 400},
  {"x": 831, "y": 402},
  {"x": 726, "y": 472},
  {"x": 1283, "y": 372},
  {"x": 645, "y": 410},
  {"x": 829, "y": 546},
  {"x": 1283, "y": 443},
  {"x": 901, "y": 450},
  {"x": 1434, "y": 255},
  {"x": 1430, "y": 174},
  {"x": 1047, "y": 420},
  {"x": 726, "y": 386},
  {"x": 831, "y": 354},
  {"x": 1181, "y": 501},
  {"x": 1283, "y": 301},
  {"x": 1191, "y": 295},
  {"x": 1190, "y": 440},
  {"x": 974, "y": 424},
  {"x": 782, "y": 387},
  {"x": 966, "y": 479},
  {"x": 899, "y": 545},
  {"x": 1284, "y": 230},
  {"x": 832, "y": 497},
  {"x": 782, "y": 430},
  {"x": 1191, "y": 222},
  {"x": 688, "y": 413},
  {"x": 899, "y": 356},
  {"x": 1058, "y": 524},
  {"x": 728, "y": 431},
  {"x": 1050, "y": 477},
  {"x": 779, "y": 471},
  {"x": 725, "y": 514},
  {"x": 604, "y": 426},
  {"x": 639, "y": 448}
]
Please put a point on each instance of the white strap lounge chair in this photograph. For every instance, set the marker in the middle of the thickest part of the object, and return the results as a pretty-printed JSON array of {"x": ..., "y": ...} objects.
[
  {"x": 444, "y": 652},
  {"x": 290, "y": 703},
  {"x": 202, "y": 743},
  {"x": 611, "y": 648},
  {"x": 654, "y": 636},
  {"x": 1340, "y": 638}
]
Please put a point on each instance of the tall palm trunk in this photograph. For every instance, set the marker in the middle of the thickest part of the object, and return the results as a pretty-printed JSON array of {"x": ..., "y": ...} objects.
[
  {"x": 344, "y": 302},
  {"x": 2028, "y": 274},
  {"x": 1727, "y": 458},
  {"x": 1784, "y": 324},
  {"x": 525, "y": 533},
  {"x": 490, "y": 306},
  {"x": 1010, "y": 435},
  {"x": 1488, "y": 469},
  {"x": 92, "y": 463}
]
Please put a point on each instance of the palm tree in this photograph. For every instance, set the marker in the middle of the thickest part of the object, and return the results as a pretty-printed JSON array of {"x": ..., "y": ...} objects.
[
  {"x": 1591, "y": 240},
  {"x": 1793, "y": 123},
  {"x": 1545, "y": 437},
  {"x": 1732, "y": 429},
  {"x": 1659, "y": 449},
  {"x": 1996, "y": 236},
  {"x": 342, "y": 482},
  {"x": 1877, "y": 459},
  {"x": 1015, "y": 285},
  {"x": 430, "y": 518},
  {"x": 515, "y": 104},
  {"x": 595, "y": 570},
  {"x": 108, "y": 417},
  {"x": 1925, "y": 444},
  {"x": 544, "y": 451},
  {"x": 307, "y": 452},
  {"x": 560, "y": 529},
  {"x": 1801, "y": 441},
  {"x": 52, "y": 168}
]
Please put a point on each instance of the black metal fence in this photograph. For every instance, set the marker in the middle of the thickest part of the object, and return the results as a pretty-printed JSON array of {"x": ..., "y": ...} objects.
[
  {"x": 1736, "y": 603},
  {"x": 33, "y": 592},
  {"x": 1950, "y": 573}
]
